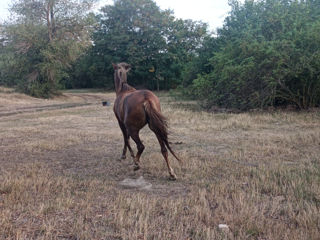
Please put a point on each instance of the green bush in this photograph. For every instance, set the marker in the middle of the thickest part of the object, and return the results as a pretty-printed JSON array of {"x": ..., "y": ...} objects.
[{"x": 267, "y": 54}]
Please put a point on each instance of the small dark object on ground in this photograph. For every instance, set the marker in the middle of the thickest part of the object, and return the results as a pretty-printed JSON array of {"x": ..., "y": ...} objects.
[{"x": 105, "y": 103}]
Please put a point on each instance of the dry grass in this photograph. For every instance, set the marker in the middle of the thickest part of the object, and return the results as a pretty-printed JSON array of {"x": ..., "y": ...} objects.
[{"x": 259, "y": 173}]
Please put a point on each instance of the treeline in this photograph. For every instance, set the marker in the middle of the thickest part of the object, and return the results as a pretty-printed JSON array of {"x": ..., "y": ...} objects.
[
  {"x": 56, "y": 44},
  {"x": 266, "y": 54},
  {"x": 153, "y": 41}
]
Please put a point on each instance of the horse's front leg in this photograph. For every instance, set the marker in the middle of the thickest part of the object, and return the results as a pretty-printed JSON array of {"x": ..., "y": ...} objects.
[
  {"x": 135, "y": 136},
  {"x": 126, "y": 143}
]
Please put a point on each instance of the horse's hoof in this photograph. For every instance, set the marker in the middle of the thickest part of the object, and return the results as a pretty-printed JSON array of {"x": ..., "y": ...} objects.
[
  {"x": 173, "y": 177},
  {"x": 123, "y": 157},
  {"x": 136, "y": 168}
]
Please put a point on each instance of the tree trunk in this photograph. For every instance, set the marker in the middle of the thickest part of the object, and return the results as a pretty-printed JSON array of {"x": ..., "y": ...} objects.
[{"x": 50, "y": 20}]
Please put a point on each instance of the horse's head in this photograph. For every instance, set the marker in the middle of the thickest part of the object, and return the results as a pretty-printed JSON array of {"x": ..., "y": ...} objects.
[
  {"x": 120, "y": 72},
  {"x": 120, "y": 77}
]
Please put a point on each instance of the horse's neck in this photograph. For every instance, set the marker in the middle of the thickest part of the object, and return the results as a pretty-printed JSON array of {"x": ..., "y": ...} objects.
[{"x": 124, "y": 88}]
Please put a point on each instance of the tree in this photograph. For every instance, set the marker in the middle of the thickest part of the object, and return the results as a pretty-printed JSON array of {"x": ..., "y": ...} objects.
[
  {"x": 133, "y": 31},
  {"x": 138, "y": 32},
  {"x": 46, "y": 37}
]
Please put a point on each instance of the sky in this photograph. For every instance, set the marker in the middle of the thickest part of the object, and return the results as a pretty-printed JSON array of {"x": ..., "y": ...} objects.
[{"x": 212, "y": 12}]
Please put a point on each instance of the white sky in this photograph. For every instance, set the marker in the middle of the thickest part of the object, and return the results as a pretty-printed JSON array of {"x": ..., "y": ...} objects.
[{"x": 212, "y": 12}]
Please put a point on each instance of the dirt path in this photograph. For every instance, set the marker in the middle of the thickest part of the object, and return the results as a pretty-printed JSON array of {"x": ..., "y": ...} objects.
[
  {"x": 35, "y": 105},
  {"x": 42, "y": 108}
]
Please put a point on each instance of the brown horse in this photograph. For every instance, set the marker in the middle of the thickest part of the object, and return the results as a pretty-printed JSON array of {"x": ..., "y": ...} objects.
[{"x": 134, "y": 109}]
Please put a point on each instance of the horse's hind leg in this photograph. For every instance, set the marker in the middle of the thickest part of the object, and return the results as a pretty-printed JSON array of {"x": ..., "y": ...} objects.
[
  {"x": 135, "y": 136},
  {"x": 164, "y": 152}
]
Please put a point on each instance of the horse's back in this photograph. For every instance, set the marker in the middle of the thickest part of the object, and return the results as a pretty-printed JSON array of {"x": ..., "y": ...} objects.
[
  {"x": 133, "y": 107},
  {"x": 139, "y": 97}
]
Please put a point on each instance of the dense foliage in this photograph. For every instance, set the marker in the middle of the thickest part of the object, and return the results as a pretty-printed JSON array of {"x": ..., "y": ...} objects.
[
  {"x": 266, "y": 54},
  {"x": 138, "y": 32},
  {"x": 42, "y": 41}
]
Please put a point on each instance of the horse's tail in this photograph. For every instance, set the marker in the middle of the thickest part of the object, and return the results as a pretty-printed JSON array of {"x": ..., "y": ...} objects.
[{"x": 158, "y": 123}]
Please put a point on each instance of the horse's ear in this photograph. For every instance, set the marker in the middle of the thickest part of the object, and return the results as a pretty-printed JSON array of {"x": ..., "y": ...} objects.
[
  {"x": 115, "y": 66},
  {"x": 127, "y": 67}
]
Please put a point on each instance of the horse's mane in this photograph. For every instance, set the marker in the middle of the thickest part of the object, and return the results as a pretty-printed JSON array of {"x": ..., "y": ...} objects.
[{"x": 126, "y": 87}]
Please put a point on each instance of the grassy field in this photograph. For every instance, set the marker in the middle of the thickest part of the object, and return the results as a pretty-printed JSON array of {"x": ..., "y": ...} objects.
[{"x": 61, "y": 173}]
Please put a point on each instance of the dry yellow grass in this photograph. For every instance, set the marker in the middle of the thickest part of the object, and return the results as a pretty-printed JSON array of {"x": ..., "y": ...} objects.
[{"x": 259, "y": 173}]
